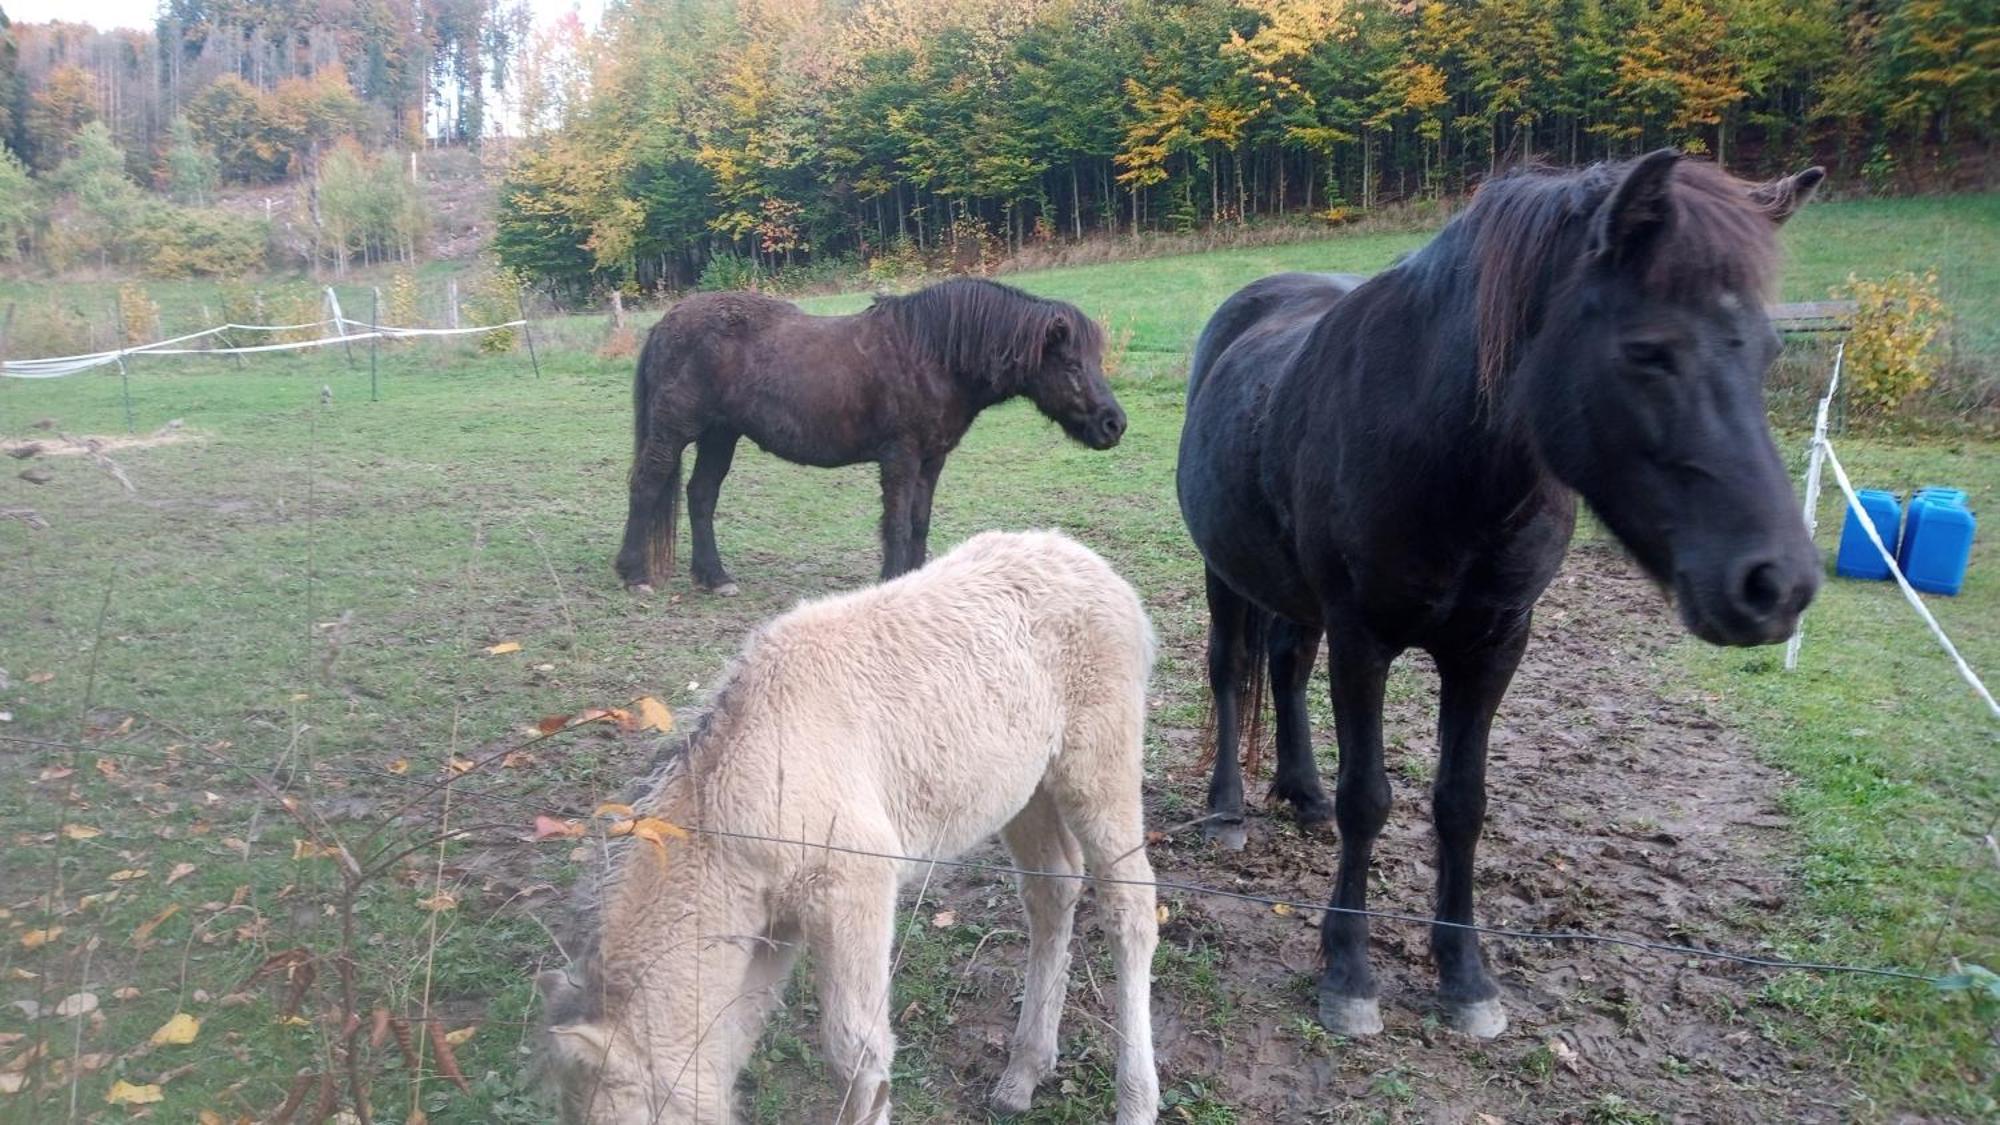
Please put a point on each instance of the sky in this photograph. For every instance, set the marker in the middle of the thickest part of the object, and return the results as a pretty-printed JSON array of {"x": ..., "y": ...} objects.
[{"x": 139, "y": 13}]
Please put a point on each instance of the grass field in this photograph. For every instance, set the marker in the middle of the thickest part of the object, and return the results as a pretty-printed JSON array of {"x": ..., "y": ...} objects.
[{"x": 296, "y": 597}]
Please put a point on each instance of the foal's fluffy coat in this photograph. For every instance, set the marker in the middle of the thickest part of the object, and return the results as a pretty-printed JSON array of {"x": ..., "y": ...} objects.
[{"x": 1001, "y": 688}]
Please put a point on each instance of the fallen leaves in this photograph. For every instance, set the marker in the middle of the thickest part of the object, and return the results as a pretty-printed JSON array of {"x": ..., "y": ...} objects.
[
  {"x": 1282, "y": 910},
  {"x": 143, "y": 935},
  {"x": 439, "y": 902},
  {"x": 177, "y": 1032},
  {"x": 35, "y": 939},
  {"x": 40, "y": 677},
  {"x": 610, "y": 809},
  {"x": 460, "y": 1037},
  {"x": 80, "y": 832},
  {"x": 76, "y": 1004},
  {"x": 653, "y": 715},
  {"x": 128, "y": 875},
  {"x": 125, "y": 1093},
  {"x": 180, "y": 871},
  {"x": 303, "y": 848},
  {"x": 400, "y": 766},
  {"x": 503, "y": 648},
  {"x": 944, "y": 919},
  {"x": 549, "y": 828}
]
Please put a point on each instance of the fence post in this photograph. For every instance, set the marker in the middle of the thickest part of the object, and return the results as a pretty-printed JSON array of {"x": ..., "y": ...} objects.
[
  {"x": 451, "y": 302},
  {"x": 339, "y": 324},
  {"x": 374, "y": 338},
  {"x": 528, "y": 333},
  {"x": 118, "y": 346},
  {"x": 1814, "y": 461}
]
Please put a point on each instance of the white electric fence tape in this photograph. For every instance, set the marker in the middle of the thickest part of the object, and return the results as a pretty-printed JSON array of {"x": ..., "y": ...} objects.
[{"x": 52, "y": 367}]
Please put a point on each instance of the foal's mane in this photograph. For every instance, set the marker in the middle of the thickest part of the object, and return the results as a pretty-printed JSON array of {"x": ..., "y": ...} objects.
[
  {"x": 985, "y": 330},
  {"x": 1526, "y": 232}
]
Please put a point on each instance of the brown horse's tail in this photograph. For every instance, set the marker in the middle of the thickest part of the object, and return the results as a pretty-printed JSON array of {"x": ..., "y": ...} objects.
[{"x": 654, "y": 532}]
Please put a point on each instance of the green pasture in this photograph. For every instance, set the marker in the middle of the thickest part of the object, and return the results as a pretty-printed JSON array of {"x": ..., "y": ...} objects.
[{"x": 297, "y": 591}]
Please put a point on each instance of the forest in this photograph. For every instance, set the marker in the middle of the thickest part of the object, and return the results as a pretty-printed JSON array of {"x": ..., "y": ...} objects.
[
  {"x": 717, "y": 132},
  {"x": 720, "y": 139}
]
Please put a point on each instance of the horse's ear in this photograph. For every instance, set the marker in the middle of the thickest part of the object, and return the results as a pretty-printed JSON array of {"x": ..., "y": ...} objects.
[
  {"x": 1630, "y": 221},
  {"x": 1058, "y": 332},
  {"x": 1781, "y": 198}
]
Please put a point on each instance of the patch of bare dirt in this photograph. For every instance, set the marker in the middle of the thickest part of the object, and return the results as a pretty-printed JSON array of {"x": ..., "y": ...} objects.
[
  {"x": 86, "y": 445},
  {"x": 1617, "y": 805}
]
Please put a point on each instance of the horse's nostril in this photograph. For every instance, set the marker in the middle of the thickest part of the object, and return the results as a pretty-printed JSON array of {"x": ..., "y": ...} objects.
[{"x": 1763, "y": 589}]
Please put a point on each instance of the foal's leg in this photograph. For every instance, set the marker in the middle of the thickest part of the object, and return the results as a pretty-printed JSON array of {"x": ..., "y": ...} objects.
[
  {"x": 1359, "y": 669},
  {"x": 1471, "y": 686},
  {"x": 647, "y": 555},
  {"x": 1040, "y": 842},
  {"x": 1228, "y": 626},
  {"x": 852, "y": 937},
  {"x": 713, "y": 453},
  {"x": 920, "y": 510},
  {"x": 900, "y": 471},
  {"x": 1293, "y": 648}
]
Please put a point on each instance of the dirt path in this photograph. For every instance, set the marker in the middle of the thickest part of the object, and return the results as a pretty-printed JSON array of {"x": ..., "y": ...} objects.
[{"x": 1616, "y": 807}]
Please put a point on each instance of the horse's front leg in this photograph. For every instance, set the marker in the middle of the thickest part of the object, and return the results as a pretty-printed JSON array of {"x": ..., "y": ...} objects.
[
  {"x": 920, "y": 510},
  {"x": 1471, "y": 685},
  {"x": 901, "y": 472},
  {"x": 1359, "y": 670}
]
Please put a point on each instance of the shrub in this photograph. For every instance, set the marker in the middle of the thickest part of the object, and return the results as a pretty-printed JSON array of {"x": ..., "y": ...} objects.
[
  {"x": 727, "y": 270},
  {"x": 18, "y": 206},
  {"x": 241, "y": 304},
  {"x": 138, "y": 315},
  {"x": 494, "y": 297},
  {"x": 198, "y": 242},
  {"x": 1890, "y": 352},
  {"x": 401, "y": 307}
]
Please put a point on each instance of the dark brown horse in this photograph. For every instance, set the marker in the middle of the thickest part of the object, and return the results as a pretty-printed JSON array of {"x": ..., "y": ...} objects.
[{"x": 898, "y": 384}]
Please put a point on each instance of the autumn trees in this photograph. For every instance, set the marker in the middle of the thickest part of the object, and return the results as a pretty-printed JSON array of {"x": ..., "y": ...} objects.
[{"x": 780, "y": 129}]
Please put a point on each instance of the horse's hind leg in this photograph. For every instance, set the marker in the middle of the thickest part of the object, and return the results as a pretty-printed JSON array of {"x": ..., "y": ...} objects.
[
  {"x": 1293, "y": 649},
  {"x": 1230, "y": 621},
  {"x": 1040, "y": 842},
  {"x": 647, "y": 554},
  {"x": 714, "y": 451},
  {"x": 1470, "y": 688}
]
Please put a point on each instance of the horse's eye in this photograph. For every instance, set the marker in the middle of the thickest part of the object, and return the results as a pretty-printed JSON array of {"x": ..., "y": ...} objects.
[{"x": 1647, "y": 353}]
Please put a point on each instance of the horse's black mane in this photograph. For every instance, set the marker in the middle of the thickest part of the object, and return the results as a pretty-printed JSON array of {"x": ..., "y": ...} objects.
[
  {"x": 1526, "y": 230},
  {"x": 973, "y": 326}
]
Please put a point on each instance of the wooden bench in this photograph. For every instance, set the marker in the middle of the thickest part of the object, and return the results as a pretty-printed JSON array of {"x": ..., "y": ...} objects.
[{"x": 1813, "y": 316}]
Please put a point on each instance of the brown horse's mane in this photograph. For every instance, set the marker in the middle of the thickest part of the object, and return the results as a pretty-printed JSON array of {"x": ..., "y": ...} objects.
[
  {"x": 1528, "y": 228},
  {"x": 983, "y": 330}
]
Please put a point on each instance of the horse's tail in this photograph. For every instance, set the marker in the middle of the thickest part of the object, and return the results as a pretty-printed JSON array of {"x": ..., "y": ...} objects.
[
  {"x": 1250, "y": 679},
  {"x": 1250, "y": 689},
  {"x": 651, "y": 533}
]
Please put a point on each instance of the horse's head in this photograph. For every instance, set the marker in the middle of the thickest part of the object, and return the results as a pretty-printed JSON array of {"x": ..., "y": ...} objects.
[
  {"x": 601, "y": 1073},
  {"x": 1067, "y": 382},
  {"x": 1643, "y": 383}
]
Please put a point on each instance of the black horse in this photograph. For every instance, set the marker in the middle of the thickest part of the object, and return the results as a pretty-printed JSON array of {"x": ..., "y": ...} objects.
[
  {"x": 898, "y": 384},
  {"x": 1394, "y": 464}
]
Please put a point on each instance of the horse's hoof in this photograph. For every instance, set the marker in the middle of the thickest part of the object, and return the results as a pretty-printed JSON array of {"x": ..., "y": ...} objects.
[
  {"x": 1011, "y": 1098},
  {"x": 726, "y": 590},
  {"x": 1318, "y": 823},
  {"x": 1481, "y": 1019},
  {"x": 1347, "y": 1015},
  {"x": 1229, "y": 835}
]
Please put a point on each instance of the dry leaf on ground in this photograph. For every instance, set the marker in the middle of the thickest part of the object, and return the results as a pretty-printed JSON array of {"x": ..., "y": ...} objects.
[{"x": 178, "y": 1031}]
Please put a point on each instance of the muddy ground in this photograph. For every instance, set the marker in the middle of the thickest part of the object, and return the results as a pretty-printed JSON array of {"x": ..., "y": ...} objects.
[{"x": 1618, "y": 806}]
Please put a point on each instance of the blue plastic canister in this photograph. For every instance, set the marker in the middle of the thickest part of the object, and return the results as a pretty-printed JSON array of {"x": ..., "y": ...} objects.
[
  {"x": 1857, "y": 557},
  {"x": 1921, "y": 502},
  {"x": 1938, "y": 556}
]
